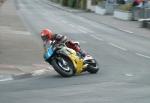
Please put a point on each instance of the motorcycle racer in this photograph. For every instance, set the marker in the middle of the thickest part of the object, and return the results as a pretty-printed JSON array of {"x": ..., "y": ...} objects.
[{"x": 47, "y": 36}]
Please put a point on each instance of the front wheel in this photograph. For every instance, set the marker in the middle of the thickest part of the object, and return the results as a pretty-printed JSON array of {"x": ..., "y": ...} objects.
[
  {"x": 92, "y": 66},
  {"x": 63, "y": 65}
]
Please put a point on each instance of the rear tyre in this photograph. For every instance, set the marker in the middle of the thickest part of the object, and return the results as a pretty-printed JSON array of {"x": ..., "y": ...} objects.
[{"x": 63, "y": 65}]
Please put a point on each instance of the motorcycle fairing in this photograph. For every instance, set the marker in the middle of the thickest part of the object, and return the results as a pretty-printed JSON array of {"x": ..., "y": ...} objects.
[
  {"x": 49, "y": 53},
  {"x": 77, "y": 61}
]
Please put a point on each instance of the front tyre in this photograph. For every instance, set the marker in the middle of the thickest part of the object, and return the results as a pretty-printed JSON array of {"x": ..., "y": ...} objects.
[
  {"x": 63, "y": 65},
  {"x": 92, "y": 66}
]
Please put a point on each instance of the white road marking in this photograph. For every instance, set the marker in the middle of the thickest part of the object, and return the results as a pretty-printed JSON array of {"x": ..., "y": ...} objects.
[
  {"x": 83, "y": 31},
  {"x": 94, "y": 24},
  {"x": 95, "y": 37},
  {"x": 72, "y": 25},
  {"x": 127, "y": 31},
  {"x": 50, "y": 68},
  {"x": 6, "y": 29},
  {"x": 83, "y": 42},
  {"x": 142, "y": 55},
  {"x": 39, "y": 72},
  {"x": 129, "y": 75},
  {"x": 22, "y": 32},
  {"x": 5, "y": 78},
  {"x": 116, "y": 46},
  {"x": 83, "y": 28},
  {"x": 42, "y": 65},
  {"x": 16, "y": 32},
  {"x": 64, "y": 21},
  {"x": 81, "y": 18}
]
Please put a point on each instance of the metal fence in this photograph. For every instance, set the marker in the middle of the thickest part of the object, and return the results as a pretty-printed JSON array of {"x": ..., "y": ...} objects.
[
  {"x": 139, "y": 13},
  {"x": 110, "y": 7}
]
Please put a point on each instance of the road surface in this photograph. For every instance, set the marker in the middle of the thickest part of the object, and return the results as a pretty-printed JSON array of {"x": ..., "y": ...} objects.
[{"x": 124, "y": 61}]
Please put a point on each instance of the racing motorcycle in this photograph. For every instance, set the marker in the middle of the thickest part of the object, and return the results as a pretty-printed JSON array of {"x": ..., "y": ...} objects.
[{"x": 67, "y": 62}]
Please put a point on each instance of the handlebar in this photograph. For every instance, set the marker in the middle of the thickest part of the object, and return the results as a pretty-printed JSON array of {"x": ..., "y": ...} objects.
[{"x": 55, "y": 45}]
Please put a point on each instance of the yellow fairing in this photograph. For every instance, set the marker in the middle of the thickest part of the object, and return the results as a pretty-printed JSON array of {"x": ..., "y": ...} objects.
[{"x": 78, "y": 62}]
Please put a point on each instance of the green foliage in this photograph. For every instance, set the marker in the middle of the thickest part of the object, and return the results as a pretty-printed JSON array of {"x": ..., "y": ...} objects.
[
  {"x": 125, "y": 7},
  {"x": 71, "y": 3},
  {"x": 82, "y": 4},
  {"x": 99, "y": 1}
]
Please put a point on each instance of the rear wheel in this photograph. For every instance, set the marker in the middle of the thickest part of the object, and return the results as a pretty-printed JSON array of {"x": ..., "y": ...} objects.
[{"x": 63, "y": 65}]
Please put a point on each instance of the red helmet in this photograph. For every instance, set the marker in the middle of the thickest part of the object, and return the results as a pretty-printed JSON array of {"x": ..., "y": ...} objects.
[{"x": 46, "y": 34}]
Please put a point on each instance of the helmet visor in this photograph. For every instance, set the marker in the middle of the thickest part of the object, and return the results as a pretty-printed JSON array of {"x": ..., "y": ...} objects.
[{"x": 44, "y": 38}]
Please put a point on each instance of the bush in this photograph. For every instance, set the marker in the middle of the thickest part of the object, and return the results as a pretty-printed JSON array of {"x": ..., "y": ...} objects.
[{"x": 125, "y": 7}]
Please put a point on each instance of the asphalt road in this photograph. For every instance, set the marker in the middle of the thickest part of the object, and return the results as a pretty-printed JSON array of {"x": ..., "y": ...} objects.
[{"x": 124, "y": 60}]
